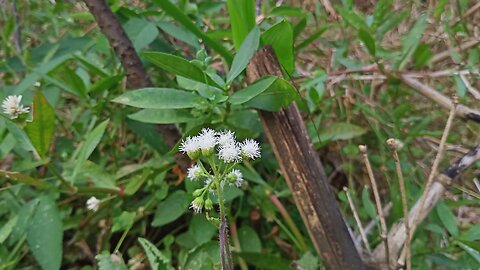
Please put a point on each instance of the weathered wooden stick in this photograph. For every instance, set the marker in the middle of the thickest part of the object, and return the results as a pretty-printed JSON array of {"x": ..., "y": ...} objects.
[
  {"x": 303, "y": 171},
  {"x": 397, "y": 236}
]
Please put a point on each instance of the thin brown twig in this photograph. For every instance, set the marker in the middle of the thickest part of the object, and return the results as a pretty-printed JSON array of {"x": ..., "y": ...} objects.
[
  {"x": 469, "y": 87},
  {"x": 396, "y": 145},
  {"x": 467, "y": 14},
  {"x": 445, "y": 54},
  {"x": 433, "y": 171},
  {"x": 378, "y": 203},
  {"x": 357, "y": 219}
]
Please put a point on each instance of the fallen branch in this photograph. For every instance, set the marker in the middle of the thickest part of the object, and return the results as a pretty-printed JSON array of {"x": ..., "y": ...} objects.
[
  {"x": 440, "y": 99},
  {"x": 397, "y": 236}
]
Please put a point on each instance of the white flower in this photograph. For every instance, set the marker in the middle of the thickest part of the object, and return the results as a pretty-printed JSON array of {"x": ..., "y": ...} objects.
[
  {"x": 194, "y": 172},
  {"x": 250, "y": 149},
  {"x": 235, "y": 177},
  {"x": 190, "y": 146},
  {"x": 197, "y": 205},
  {"x": 229, "y": 153},
  {"x": 225, "y": 138},
  {"x": 11, "y": 106},
  {"x": 93, "y": 204},
  {"x": 207, "y": 139}
]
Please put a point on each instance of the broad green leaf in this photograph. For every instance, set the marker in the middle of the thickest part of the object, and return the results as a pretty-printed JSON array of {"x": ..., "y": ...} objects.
[
  {"x": 172, "y": 208},
  {"x": 182, "y": 18},
  {"x": 270, "y": 94},
  {"x": 159, "y": 116},
  {"x": 447, "y": 217},
  {"x": 25, "y": 214},
  {"x": 88, "y": 146},
  {"x": 159, "y": 98},
  {"x": 280, "y": 36},
  {"x": 178, "y": 66},
  {"x": 251, "y": 91},
  {"x": 472, "y": 234},
  {"x": 245, "y": 53},
  {"x": 135, "y": 183},
  {"x": 353, "y": 19},
  {"x": 201, "y": 229},
  {"x": 40, "y": 130},
  {"x": 249, "y": 240},
  {"x": 265, "y": 260},
  {"x": 472, "y": 248},
  {"x": 107, "y": 261},
  {"x": 156, "y": 258},
  {"x": 367, "y": 39},
  {"x": 124, "y": 221},
  {"x": 242, "y": 19},
  {"x": 141, "y": 32},
  {"x": 45, "y": 234},
  {"x": 340, "y": 131},
  {"x": 70, "y": 81},
  {"x": 149, "y": 133}
]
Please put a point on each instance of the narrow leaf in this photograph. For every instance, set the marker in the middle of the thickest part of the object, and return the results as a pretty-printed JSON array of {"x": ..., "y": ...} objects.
[
  {"x": 367, "y": 39},
  {"x": 242, "y": 19},
  {"x": 178, "y": 66},
  {"x": 245, "y": 53},
  {"x": 448, "y": 218}
]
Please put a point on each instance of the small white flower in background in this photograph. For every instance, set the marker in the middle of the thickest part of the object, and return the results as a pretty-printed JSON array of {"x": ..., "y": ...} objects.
[
  {"x": 93, "y": 204},
  {"x": 250, "y": 149},
  {"x": 190, "y": 146},
  {"x": 235, "y": 177},
  {"x": 194, "y": 172},
  {"x": 229, "y": 153},
  {"x": 11, "y": 106},
  {"x": 207, "y": 140},
  {"x": 226, "y": 138}
]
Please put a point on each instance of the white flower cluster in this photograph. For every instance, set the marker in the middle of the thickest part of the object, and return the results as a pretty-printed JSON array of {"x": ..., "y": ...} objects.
[
  {"x": 11, "y": 106},
  {"x": 229, "y": 150},
  {"x": 93, "y": 204}
]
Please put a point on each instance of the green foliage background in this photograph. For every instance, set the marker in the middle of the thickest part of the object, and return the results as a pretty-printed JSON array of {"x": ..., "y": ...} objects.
[{"x": 89, "y": 135}]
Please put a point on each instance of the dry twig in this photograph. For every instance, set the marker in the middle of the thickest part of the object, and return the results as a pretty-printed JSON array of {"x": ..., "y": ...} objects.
[
  {"x": 378, "y": 203},
  {"x": 357, "y": 219}
]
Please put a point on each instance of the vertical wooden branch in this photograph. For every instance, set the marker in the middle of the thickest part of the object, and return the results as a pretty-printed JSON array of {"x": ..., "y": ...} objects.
[
  {"x": 303, "y": 171},
  {"x": 137, "y": 77}
]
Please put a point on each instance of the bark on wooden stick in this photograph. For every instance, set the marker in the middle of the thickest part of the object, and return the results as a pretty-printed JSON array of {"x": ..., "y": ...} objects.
[
  {"x": 303, "y": 171},
  {"x": 137, "y": 77}
]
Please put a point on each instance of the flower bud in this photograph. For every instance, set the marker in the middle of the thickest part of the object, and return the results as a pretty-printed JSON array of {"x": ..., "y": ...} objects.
[
  {"x": 208, "y": 204},
  {"x": 197, "y": 192}
]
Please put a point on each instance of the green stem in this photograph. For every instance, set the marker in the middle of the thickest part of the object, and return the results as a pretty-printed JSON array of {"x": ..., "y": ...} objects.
[
  {"x": 119, "y": 244},
  {"x": 68, "y": 185}
]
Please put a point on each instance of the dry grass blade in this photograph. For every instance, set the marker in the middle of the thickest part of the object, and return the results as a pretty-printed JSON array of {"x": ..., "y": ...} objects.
[{"x": 357, "y": 219}]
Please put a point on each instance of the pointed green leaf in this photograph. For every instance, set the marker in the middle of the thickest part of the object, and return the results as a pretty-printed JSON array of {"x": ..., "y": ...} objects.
[
  {"x": 341, "y": 131},
  {"x": 172, "y": 208},
  {"x": 448, "y": 218},
  {"x": 178, "y": 66},
  {"x": 182, "y": 18},
  {"x": 472, "y": 248},
  {"x": 45, "y": 234},
  {"x": 162, "y": 116},
  {"x": 280, "y": 36},
  {"x": 367, "y": 39},
  {"x": 40, "y": 130},
  {"x": 159, "y": 98},
  {"x": 156, "y": 258},
  {"x": 245, "y": 53},
  {"x": 242, "y": 19}
]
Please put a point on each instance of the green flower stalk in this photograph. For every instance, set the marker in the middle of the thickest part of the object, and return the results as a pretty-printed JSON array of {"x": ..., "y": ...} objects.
[{"x": 221, "y": 151}]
